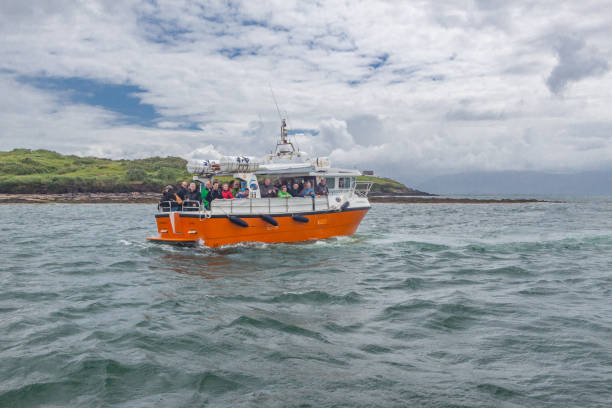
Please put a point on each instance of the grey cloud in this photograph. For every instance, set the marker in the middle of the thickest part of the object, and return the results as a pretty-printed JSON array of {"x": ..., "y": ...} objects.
[
  {"x": 464, "y": 114},
  {"x": 576, "y": 61},
  {"x": 26, "y": 9},
  {"x": 366, "y": 129}
]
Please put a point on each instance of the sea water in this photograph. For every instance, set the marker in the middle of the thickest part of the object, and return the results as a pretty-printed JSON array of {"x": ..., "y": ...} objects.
[{"x": 434, "y": 305}]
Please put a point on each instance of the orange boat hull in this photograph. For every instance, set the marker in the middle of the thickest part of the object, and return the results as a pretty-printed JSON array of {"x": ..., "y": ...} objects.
[{"x": 186, "y": 229}]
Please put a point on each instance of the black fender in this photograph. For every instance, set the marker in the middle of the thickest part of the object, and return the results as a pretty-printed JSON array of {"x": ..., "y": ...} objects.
[
  {"x": 300, "y": 218},
  {"x": 269, "y": 219},
  {"x": 344, "y": 206},
  {"x": 238, "y": 221}
]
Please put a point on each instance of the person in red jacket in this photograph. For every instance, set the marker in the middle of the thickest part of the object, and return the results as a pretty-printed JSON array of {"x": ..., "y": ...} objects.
[{"x": 227, "y": 194}]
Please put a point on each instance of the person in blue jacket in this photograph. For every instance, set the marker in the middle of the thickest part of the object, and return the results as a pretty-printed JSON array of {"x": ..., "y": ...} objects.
[{"x": 307, "y": 191}]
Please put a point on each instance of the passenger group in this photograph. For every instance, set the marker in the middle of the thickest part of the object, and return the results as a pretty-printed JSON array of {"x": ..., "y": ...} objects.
[{"x": 189, "y": 197}]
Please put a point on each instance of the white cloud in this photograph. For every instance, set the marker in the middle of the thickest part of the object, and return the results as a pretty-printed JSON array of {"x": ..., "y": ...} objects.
[{"x": 466, "y": 85}]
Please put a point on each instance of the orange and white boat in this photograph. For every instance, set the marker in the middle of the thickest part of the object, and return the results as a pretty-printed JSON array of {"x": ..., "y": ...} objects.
[{"x": 258, "y": 219}]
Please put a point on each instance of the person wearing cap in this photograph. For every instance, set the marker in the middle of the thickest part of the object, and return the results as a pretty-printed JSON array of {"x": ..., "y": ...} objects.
[{"x": 168, "y": 201}]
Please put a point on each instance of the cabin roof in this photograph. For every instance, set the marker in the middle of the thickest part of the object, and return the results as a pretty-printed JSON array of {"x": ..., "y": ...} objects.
[{"x": 303, "y": 169}]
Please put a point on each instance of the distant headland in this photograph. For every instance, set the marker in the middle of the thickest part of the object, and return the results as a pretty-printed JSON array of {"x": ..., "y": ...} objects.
[
  {"x": 25, "y": 171},
  {"x": 43, "y": 176}
]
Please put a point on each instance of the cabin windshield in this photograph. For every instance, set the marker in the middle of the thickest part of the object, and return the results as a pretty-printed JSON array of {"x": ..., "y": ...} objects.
[{"x": 341, "y": 184}]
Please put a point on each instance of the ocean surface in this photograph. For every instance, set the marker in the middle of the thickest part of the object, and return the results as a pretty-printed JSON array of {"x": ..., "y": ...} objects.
[{"x": 428, "y": 305}]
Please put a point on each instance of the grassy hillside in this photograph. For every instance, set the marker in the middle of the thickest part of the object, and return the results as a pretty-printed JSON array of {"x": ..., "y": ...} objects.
[
  {"x": 44, "y": 171},
  {"x": 387, "y": 186}
]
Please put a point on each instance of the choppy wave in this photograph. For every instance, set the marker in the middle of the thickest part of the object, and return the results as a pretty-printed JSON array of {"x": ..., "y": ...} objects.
[{"x": 427, "y": 305}]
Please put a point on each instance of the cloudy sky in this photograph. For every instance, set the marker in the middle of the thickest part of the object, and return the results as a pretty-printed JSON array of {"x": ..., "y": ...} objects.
[{"x": 411, "y": 89}]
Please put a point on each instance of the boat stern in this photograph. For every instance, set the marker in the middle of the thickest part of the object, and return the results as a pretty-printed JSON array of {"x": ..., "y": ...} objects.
[{"x": 170, "y": 230}]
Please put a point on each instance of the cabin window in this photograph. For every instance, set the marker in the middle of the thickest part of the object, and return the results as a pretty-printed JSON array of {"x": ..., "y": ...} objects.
[
  {"x": 331, "y": 182},
  {"x": 344, "y": 182}
]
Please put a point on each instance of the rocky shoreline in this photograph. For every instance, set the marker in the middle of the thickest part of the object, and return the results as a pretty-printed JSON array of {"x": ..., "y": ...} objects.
[
  {"x": 81, "y": 198},
  {"x": 153, "y": 198},
  {"x": 442, "y": 200}
]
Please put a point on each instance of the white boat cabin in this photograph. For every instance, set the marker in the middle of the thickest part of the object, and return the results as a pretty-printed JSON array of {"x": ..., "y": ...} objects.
[{"x": 284, "y": 167}]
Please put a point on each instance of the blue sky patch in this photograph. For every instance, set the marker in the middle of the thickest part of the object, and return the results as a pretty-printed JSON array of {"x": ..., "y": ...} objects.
[
  {"x": 379, "y": 61},
  {"x": 305, "y": 131},
  {"x": 263, "y": 24},
  {"x": 162, "y": 31},
  {"x": 232, "y": 53},
  {"x": 122, "y": 99},
  {"x": 406, "y": 72}
]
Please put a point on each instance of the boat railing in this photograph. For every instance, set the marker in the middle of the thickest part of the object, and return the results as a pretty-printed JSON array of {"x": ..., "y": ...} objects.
[
  {"x": 362, "y": 188},
  {"x": 166, "y": 206},
  {"x": 190, "y": 205},
  {"x": 270, "y": 205},
  {"x": 256, "y": 206},
  {"x": 187, "y": 205}
]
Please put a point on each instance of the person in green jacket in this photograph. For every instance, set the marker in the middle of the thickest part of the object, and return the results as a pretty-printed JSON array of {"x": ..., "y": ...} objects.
[
  {"x": 206, "y": 194},
  {"x": 282, "y": 193}
]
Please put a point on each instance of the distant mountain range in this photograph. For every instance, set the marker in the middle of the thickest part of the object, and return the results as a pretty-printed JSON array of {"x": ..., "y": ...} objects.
[{"x": 520, "y": 182}]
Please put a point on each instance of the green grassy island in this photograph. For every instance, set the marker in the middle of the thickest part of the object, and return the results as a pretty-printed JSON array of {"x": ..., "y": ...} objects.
[{"x": 24, "y": 171}]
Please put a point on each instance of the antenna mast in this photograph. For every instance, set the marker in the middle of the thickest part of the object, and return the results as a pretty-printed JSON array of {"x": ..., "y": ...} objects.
[
  {"x": 275, "y": 103},
  {"x": 283, "y": 121}
]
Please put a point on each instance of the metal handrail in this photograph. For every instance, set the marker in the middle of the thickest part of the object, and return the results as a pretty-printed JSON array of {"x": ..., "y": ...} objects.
[
  {"x": 274, "y": 203},
  {"x": 229, "y": 207},
  {"x": 188, "y": 205},
  {"x": 362, "y": 188},
  {"x": 166, "y": 206}
]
